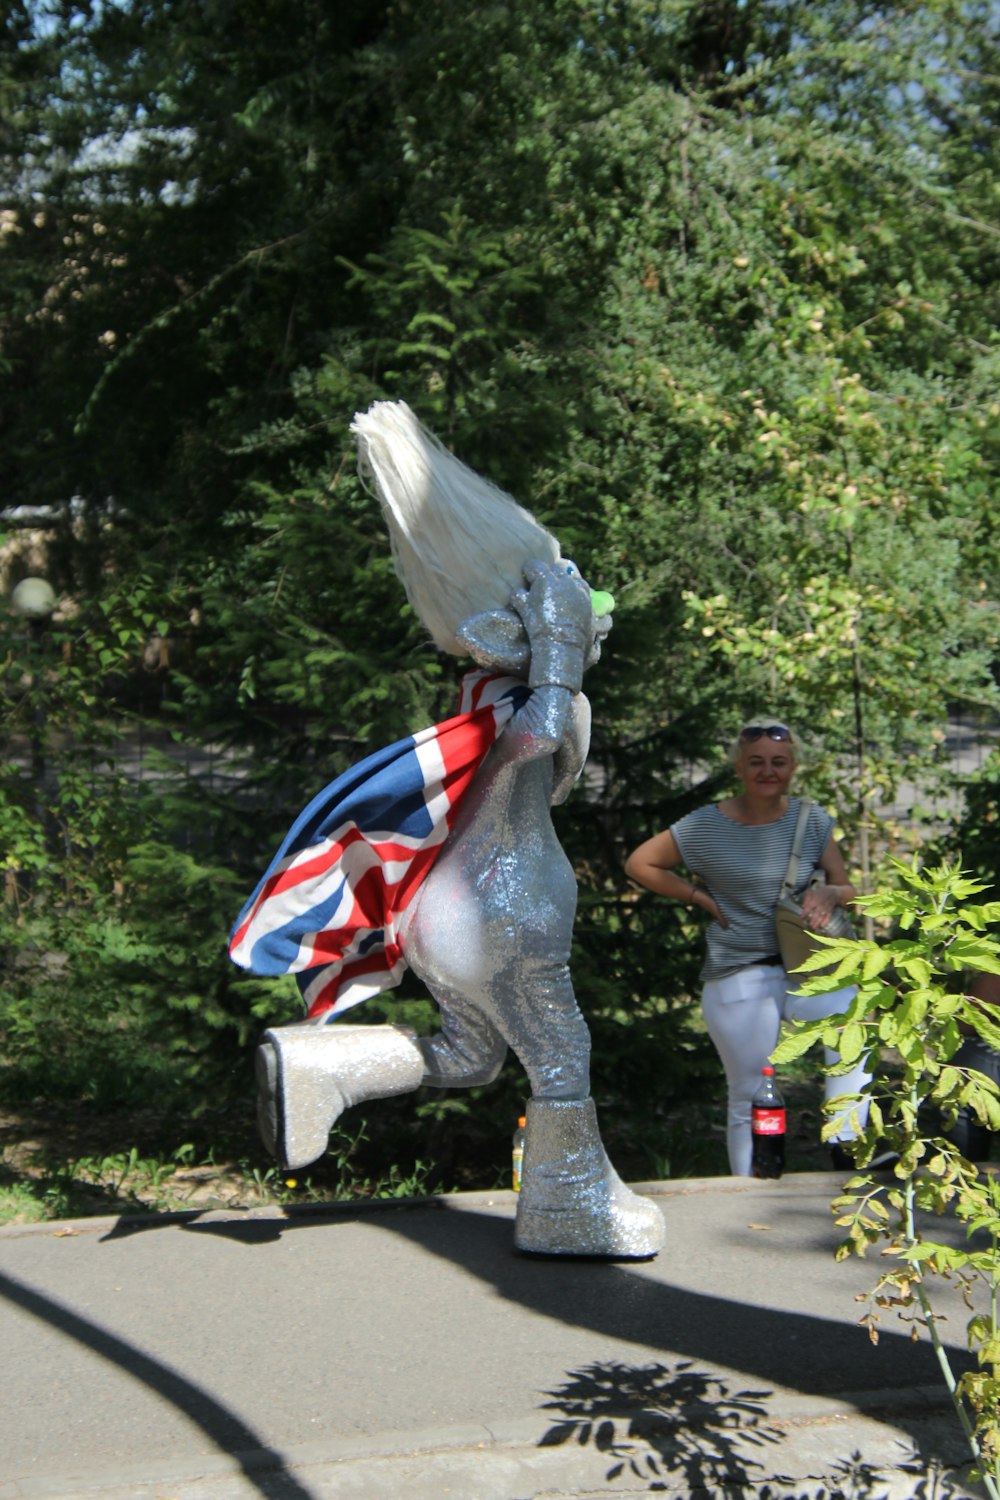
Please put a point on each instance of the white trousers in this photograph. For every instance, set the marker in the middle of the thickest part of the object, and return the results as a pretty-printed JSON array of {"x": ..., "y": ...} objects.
[{"x": 743, "y": 1013}]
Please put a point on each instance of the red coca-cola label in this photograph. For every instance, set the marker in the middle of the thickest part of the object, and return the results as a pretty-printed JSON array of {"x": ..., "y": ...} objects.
[{"x": 768, "y": 1121}]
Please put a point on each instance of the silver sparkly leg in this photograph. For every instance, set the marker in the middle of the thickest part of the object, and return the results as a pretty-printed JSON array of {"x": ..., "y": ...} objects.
[
  {"x": 572, "y": 1201},
  {"x": 308, "y": 1075}
]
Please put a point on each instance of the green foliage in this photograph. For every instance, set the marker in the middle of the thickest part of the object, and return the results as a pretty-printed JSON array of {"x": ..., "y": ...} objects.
[
  {"x": 909, "y": 1016},
  {"x": 976, "y": 831},
  {"x": 129, "y": 996},
  {"x": 116, "y": 984}
]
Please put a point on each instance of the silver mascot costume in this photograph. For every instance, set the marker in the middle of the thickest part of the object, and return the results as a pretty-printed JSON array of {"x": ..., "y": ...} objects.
[{"x": 488, "y": 927}]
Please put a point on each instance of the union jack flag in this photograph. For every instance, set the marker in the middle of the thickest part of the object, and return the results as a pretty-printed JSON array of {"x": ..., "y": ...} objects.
[{"x": 327, "y": 907}]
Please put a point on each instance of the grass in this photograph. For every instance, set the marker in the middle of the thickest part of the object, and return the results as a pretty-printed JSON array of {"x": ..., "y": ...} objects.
[
  {"x": 78, "y": 1157},
  {"x": 61, "y": 1162},
  {"x": 76, "y": 1161}
]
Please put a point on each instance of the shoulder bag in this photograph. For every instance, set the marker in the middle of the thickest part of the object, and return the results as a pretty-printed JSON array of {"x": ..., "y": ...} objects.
[{"x": 796, "y": 939}]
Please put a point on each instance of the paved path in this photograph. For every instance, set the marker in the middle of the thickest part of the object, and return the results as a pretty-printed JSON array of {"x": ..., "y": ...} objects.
[{"x": 408, "y": 1351}]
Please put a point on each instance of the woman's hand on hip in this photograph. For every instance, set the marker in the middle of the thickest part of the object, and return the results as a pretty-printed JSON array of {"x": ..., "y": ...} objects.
[{"x": 708, "y": 903}]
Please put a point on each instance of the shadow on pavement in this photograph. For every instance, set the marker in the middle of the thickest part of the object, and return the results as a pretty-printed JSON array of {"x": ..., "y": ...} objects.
[
  {"x": 262, "y": 1467},
  {"x": 655, "y": 1423},
  {"x": 659, "y": 1426},
  {"x": 811, "y": 1354},
  {"x": 679, "y": 1420}
]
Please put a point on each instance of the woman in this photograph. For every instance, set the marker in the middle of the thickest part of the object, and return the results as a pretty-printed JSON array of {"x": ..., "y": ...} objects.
[{"x": 737, "y": 854}]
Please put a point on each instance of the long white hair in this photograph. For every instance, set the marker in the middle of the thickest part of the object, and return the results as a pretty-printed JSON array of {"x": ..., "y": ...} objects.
[{"x": 459, "y": 542}]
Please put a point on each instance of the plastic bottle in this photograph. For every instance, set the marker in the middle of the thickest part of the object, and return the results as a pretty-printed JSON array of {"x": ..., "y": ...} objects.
[
  {"x": 517, "y": 1155},
  {"x": 767, "y": 1121}
]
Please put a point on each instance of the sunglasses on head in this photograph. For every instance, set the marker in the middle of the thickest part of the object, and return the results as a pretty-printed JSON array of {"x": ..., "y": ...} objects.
[{"x": 757, "y": 732}]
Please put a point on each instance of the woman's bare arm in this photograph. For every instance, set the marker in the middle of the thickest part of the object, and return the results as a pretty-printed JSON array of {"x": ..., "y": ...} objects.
[{"x": 653, "y": 865}]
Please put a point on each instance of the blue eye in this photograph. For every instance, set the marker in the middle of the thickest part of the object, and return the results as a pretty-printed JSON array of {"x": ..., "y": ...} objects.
[{"x": 570, "y": 570}]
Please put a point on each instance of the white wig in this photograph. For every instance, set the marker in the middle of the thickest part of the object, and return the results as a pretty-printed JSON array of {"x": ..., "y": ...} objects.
[{"x": 459, "y": 542}]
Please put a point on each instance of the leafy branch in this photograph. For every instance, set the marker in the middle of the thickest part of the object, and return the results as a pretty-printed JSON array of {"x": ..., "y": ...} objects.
[{"x": 910, "y": 1018}]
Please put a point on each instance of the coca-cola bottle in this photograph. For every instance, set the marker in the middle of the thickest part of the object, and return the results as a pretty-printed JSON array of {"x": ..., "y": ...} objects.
[
  {"x": 767, "y": 1121},
  {"x": 517, "y": 1154}
]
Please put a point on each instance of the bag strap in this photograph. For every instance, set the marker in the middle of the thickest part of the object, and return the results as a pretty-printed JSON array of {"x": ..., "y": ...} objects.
[{"x": 798, "y": 838}]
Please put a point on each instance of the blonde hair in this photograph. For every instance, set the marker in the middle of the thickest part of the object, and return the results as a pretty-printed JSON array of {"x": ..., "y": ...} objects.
[
  {"x": 739, "y": 744},
  {"x": 459, "y": 543}
]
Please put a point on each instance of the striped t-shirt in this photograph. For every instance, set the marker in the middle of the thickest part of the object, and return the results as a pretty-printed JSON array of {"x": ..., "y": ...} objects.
[{"x": 743, "y": 866}]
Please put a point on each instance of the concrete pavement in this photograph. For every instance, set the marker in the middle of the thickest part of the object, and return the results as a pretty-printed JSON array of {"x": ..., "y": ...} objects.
[{"x": 386, "y": 1351}]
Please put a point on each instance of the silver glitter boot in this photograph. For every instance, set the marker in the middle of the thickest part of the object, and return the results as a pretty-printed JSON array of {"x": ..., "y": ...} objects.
[
  {"x": 572, "y": 1201},
  {"x": 308, "y": 1075}
]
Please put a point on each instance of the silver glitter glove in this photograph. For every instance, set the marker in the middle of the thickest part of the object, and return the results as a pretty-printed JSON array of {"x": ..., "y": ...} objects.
[{"x": 559, "y": 622}]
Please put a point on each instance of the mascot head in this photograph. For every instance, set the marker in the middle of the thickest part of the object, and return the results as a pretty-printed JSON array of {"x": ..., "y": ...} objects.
[{"x": 459, "y": 543}]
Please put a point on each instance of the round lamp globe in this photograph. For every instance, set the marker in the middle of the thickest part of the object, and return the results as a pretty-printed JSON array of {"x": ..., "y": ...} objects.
[{"x": 34, "y": 597}]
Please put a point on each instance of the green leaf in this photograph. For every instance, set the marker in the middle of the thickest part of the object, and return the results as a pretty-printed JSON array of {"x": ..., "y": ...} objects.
[
  {"x": 984, "y": 1026},
  {"x": 796, "y": 1042},
  {"x": 852, "y": 1042},
  {"x": 876, "y": 961},
  {"x": 975, "y": 953},
  {"x": 917, "y": 968}
]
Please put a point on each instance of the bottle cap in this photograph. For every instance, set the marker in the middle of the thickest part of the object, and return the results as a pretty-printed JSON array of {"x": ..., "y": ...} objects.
[
  {"x": 522, "y": 1120},
  {"x": 768, "y": 1070}
]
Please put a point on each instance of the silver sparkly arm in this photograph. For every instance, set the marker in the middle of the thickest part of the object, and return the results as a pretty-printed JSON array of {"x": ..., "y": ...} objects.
[
  {"x": 538, "y": 729},
  {"x": 555, "y": 611}
]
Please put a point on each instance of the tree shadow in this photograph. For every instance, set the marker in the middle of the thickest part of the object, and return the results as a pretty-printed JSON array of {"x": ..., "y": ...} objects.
[
  {"x": 656, "y": 1423},
  {"x": 680, "y": 1430}
]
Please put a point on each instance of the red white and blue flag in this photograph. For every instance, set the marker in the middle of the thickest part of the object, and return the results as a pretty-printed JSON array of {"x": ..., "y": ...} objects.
[{"x": 327, "y": 907}]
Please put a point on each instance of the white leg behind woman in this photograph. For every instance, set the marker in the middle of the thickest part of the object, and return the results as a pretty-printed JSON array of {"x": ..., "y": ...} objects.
[
  {"x": 818, "y": 1007},
  {"x": 743, "y": 1014}
]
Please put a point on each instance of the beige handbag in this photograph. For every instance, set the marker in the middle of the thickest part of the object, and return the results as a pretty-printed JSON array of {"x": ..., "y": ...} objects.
[{"x": 796, "y": 939}]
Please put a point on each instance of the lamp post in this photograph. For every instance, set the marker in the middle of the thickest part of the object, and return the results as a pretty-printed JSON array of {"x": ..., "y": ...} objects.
[{"x": 34, "y": 600}]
